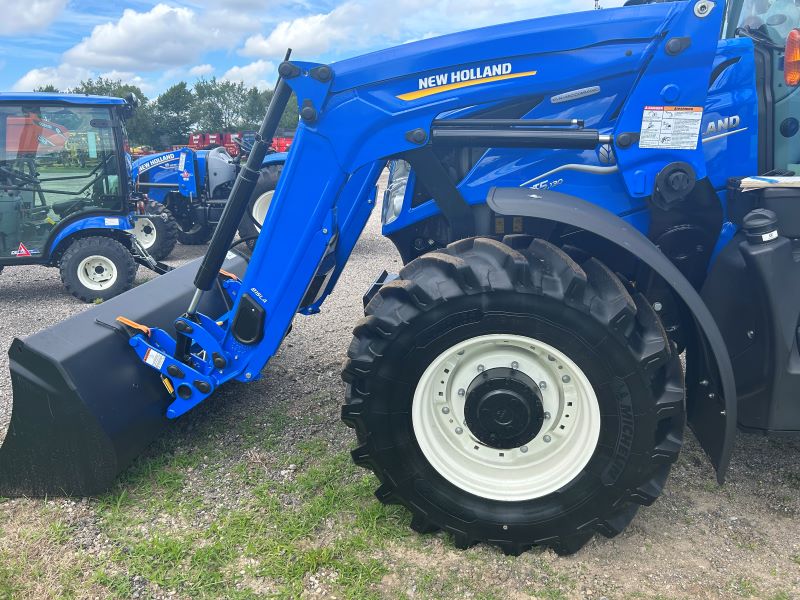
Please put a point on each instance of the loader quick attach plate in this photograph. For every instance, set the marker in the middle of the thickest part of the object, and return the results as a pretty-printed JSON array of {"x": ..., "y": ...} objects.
[{"x": 84, "y": 404}]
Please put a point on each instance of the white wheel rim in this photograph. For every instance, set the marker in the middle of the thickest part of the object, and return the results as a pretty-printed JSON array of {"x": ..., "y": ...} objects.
[
  {"x": 97, "y": 273},
  {"x": 145, "y": 232},
  {"x": 260, "y": 208},
  {"x": 554, "y": 457}
]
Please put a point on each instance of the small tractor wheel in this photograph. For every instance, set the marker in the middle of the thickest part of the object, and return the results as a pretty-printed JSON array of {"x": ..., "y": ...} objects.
[
  {"x": 159, "y": 234},
  {"x": 97, "y": 268},
  {"x": 194, "y": 234},
  {"x": 507, "y": 394},
  {"x": 250, "y": 225}
]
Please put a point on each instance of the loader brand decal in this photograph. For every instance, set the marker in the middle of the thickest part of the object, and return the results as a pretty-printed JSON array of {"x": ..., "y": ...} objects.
[
  {"x": 24, "y": 252},
  {"x": 461, "y": 78},
  {"x": 258, "y": 295},
  {"x": 671, "y": 127},
  {"x": 154, "y": 162}
]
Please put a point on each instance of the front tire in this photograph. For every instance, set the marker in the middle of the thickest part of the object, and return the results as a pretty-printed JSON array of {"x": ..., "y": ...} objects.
[
  {"x": 159, "y": 234},
  {"x": 97, "y": 268},
  {"x": 260, "y": 201},
  {"x": 506, "y": 394}
]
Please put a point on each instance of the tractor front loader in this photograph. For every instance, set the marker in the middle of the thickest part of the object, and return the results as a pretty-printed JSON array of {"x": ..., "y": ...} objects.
[{"x": 566, "y": 196}]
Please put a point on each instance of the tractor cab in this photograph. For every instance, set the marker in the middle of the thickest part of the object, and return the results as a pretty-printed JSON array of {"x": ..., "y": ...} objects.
[
  {"x": 59, "y": 163},
  {"x": 773, "y": 26}
]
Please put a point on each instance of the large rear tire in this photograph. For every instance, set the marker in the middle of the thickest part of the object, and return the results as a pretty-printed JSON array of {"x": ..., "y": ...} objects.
[
  {"x": 97, "y": 268},
  {"x": 260, "y": 201},
  {"x": 159, "y": 234},
  {"x": 506, "y": 394}
]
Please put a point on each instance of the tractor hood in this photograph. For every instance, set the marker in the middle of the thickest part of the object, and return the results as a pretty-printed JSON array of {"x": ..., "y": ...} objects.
[{"x": 544, "y": 35}]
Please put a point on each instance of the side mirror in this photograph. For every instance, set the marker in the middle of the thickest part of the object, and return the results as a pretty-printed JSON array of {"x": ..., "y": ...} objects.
[{"x": 791, "y": 59}]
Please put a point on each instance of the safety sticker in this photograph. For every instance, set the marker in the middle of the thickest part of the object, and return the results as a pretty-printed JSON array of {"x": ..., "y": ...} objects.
[
  {"x": 112, "y": 222},
  {"x": 21, "y": 252},
  {"x": 182, "y": 162},
  {"x": 671, "y": 127},
  {"x": 154, "y": 359}
]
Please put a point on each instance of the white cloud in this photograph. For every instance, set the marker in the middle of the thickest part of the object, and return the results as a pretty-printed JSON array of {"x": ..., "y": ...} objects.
[
  {"x": 26, "y": 16},
  {"x": 358, "y": 24},
  {"x": 162, "y": 37},
  {"x": 200, "y": 70},
  {"x": 261, "y": 74},
  {"x": 62, "y": 77}
]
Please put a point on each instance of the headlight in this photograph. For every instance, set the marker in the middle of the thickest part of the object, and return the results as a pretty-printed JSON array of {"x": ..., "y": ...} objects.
[{"x": 399, "y": 170}]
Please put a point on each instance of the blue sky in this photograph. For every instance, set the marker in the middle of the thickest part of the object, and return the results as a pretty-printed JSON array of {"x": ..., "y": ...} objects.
[{"x": 156, "y": 43}]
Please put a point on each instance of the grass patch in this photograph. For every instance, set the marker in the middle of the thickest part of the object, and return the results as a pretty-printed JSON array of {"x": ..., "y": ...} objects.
[{"x": 320, "y": 522}]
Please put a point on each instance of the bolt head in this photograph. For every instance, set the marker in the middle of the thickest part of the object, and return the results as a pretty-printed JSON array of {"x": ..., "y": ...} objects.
[
  {"x": 543, "y": 385},
  {"x": 325, "y": 230},
  {"x": 459, "y": 431},
  {"x": 505, "y": 527},
  {"x": 566, "y": 379},
  {"x": 446, "y": 410},
  {"x": 547, "y": 439},
  {"x": 547, "y": 415},
  {"x": 657, "y": 306},
  {"x": 248, "y": 375},
  {"x": 481, "y": 368},
  {"x": 523, "y": 449},
  {"x": 515, "y": 365},
  {"x": 462, "y": 392}
]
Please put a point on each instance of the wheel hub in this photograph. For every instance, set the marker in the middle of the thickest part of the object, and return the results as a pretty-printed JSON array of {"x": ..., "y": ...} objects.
[{"x": 504, "y": 408}]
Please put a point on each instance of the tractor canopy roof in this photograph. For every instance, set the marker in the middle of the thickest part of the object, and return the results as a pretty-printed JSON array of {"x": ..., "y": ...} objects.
[{"x": 57, "y": 98}]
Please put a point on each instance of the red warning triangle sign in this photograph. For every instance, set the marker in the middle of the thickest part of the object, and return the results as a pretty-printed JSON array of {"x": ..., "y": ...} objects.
[{"x": 22, "y": 251}]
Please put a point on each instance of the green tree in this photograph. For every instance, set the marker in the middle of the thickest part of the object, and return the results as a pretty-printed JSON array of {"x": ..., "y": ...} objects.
[
  {"x": 172, "y": 115},
  {"x": 218, "y": 104},
  {"x": 47, "y": 88}
]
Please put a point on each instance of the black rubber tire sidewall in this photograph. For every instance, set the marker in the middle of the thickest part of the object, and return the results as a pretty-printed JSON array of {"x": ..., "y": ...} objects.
[
  {"x": 614, "y": 467},
  {"x": 103, "y": 246},
  {"x": 166, "y": 230},
  {"x": 267, "y": 181}
]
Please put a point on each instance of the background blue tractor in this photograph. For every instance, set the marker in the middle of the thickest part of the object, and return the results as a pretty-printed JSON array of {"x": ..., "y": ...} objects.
[
  {"x": 194, "y": 186},
  {"x": 64, "y": 194},
  {"x": 566, "y": 194}
]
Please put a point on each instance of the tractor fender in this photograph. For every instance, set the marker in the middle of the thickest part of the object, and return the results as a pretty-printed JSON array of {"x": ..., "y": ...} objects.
[
  {"x": 276, "y": 158},
  {"x": 715, "y": 428},
  {"x": 102, "y": 223}
]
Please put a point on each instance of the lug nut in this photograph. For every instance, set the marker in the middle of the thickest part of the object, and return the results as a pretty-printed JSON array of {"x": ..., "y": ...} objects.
[
  {"x": 515, "y": 365},
  {"x": 459, "y": 431},
  {"x": 547, "y": 439},
  {"x": 523, "y": 449},
  {"x": 543, "y": 385},
  {"x": 481, "y": 368},
  {"x": 445, "y": 410},
  {"x": 565, "y": 379},
  {"x": 461, "y": 392},
  {"x": 547, "y": 415}
]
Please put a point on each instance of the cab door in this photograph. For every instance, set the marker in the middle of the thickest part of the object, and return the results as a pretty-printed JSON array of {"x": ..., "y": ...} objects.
[{"x": 768, "y": 23}]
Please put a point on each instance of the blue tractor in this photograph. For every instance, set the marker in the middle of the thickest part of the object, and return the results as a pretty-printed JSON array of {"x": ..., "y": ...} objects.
[
  {"x": 566, "y": 195},
  {"x": 194, "y": 186},
  {"x": 64, "y": 194}
]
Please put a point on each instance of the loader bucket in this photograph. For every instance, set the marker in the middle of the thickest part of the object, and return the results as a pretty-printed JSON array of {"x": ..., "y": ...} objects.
[{"x": 84, "y": 405}]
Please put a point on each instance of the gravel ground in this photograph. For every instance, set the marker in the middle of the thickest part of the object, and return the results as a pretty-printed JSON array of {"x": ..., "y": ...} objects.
[{"x": 697, "y": 541}]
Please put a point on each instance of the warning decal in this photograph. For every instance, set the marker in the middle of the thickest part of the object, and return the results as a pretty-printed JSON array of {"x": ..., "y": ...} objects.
[
  {"x": 154, "y": 359},
  {"x": 671, "y": 127},
  {"x": 22, "y": 251}
]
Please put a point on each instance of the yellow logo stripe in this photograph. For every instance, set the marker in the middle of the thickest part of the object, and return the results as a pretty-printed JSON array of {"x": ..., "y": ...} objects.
[{"x": 461, "y": 84}]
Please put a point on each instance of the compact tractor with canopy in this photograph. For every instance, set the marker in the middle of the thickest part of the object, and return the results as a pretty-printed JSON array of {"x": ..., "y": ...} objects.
[
  {"x": 64, "y": 194},
  {"x": 565, "y": 195}
]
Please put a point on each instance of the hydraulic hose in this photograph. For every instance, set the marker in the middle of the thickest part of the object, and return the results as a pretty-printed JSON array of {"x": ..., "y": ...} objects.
[{"x": 240, "y": 194}]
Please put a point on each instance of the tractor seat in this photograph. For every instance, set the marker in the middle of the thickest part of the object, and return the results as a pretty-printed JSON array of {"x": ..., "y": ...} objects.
[{"x": 65, "y": 207}]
